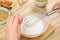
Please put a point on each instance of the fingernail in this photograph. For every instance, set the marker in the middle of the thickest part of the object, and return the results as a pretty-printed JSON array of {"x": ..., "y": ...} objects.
[{"x": 20, "y": 19}]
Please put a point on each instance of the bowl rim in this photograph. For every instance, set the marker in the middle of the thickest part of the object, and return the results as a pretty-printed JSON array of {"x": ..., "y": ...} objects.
[
  {"x": 8, "y": 12},
  {"x": 41, "y": 2}
]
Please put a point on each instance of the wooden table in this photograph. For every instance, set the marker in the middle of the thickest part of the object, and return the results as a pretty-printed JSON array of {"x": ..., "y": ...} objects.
[
  {"x": 36, "y": 10},
  {"x": 54, "y": 36}
]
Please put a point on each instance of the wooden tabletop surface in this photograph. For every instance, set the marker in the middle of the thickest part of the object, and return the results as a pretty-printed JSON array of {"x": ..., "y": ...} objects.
[{"x": 55, "y": 22}]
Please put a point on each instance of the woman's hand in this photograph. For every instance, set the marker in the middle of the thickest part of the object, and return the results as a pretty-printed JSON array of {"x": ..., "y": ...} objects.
[
  {"x": 12, "y": 27},
  {"x": 56, "y": 6}
]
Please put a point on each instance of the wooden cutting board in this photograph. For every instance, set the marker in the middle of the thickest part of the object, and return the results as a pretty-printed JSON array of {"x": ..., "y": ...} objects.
[{"x": 43, "y": 36}]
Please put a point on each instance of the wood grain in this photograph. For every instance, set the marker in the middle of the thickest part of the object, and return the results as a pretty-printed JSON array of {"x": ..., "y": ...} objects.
[{"x": 55, "y": 21}]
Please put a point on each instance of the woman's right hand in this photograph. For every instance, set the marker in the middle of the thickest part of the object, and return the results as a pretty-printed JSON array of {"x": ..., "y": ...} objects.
[{"x": 57, "y": 4}]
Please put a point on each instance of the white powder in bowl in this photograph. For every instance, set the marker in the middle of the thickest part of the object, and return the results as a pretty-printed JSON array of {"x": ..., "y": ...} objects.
[{"x": 32, "y": 26}]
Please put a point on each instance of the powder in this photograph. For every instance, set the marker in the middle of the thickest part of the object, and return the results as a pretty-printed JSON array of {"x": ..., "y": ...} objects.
[{"x": 32, "y": 25}]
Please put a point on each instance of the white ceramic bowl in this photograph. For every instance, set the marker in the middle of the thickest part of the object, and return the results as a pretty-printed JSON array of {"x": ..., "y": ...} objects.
[
  {"x": 40, "y": 4},
  {"x": 6, "y": 10}
]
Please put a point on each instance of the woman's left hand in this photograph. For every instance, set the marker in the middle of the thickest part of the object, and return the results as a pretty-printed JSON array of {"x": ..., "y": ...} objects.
[{"x": 12, "y": 27}]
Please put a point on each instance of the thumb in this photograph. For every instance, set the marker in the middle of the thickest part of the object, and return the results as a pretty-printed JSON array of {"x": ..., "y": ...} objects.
[{"x": 20, "y": 19}]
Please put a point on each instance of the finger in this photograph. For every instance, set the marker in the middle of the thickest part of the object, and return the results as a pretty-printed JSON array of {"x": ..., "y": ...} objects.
[
  {"x": 20, "y": 20},
  {"x": 56, "y": 5},
  {"x": 19, "y": 31},
  {"x": 10, "y": 21},
  {"x": 58, "y": 11},
  {"x": 15, "y": 22}
]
